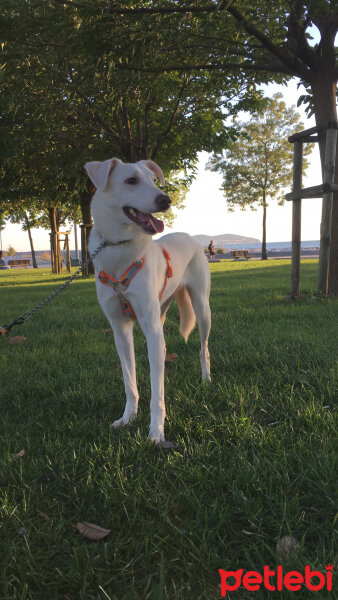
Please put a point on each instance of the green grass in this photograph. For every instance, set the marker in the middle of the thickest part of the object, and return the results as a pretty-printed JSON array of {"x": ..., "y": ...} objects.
[{"x": 256, "y": 454}]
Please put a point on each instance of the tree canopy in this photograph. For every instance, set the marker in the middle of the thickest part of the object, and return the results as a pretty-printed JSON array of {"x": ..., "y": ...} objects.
[
  {"x": 256, "y": 168},
  {"x": 156, "y": 79},
  {"x": 68, "y": 100}
]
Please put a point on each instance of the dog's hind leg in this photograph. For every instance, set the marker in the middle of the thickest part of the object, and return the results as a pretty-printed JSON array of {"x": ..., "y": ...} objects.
[
  {"x": 123, "y": 334},
  {"x": 164, "y": 309},
  {"x": 200, "y": 303}
]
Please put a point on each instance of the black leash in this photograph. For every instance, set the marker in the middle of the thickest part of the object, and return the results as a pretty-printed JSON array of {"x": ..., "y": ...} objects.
[{"x": 26, "y": 316}]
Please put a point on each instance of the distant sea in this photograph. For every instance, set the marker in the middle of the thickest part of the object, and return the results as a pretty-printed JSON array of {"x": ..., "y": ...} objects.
[
  {"x": 275, "y": 246},
  {"x": 42, "y": 255}
]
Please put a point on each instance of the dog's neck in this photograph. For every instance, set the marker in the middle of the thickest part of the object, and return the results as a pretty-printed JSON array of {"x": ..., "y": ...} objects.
[
  {"x": 117, "y": 256},
  {"x": 122, "y": 238},
  {"x": 116, "y": 243}
]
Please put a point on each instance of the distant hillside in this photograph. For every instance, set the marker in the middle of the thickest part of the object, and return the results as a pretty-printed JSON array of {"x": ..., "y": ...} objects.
[{"x": 226, "y": 239}]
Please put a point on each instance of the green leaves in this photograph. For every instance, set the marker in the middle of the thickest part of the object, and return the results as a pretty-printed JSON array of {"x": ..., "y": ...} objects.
[
  {"x": 85, "y": 83},
  {"x": 257, "y": 165},
  {"x": 86, "y": 80}
]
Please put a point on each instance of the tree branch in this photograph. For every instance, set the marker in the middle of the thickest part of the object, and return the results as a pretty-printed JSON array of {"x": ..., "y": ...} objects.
[
  {"x": 163, "y": 136},
  {"x": 94, "y": 115},
  {"x": 291, "y": 64},
  {"x": 288, "y": 64},
  {"x": 71, "y": 3},
  {"x": 296, "y": 40},
  {"x": 273, "y": 67},
  {"x": 165, "y": 10}
]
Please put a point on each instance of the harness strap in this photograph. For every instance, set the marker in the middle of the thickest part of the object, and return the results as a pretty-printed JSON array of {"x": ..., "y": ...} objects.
[
  {"x": 169, "y": 271},
  {"x": 126, "y": 279}
]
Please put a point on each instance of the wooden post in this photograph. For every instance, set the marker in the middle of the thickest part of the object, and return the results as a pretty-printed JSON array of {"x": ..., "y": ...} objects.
[
  {"x": 325, "y": 228},
  {"x": 67, "y": 250},
  {"x": 83, "y": 249},
  {"x": 55, "y": 250},
  {"x": 59, "y": 255},
  {"x": 296, "y": 218},
  {"x": 76, "y": 244},
  {"x": 85, "y": 230},
  {"x": 53, "y": 253},
  {"x": 51, "y": 250}
]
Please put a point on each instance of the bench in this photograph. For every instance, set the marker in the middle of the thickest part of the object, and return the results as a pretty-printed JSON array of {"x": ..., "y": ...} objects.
[
  {"x": 21, "y": 262},
  {"x": 238, "y": 254}
]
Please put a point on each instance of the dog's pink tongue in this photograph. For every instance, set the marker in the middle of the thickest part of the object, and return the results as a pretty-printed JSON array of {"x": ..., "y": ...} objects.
[
  {"x": 150, "y": 224},
  {"x": 157, "y": 224}
]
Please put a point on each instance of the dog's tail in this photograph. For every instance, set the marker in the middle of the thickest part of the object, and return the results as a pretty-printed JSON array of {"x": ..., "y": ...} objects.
[{"x": 187, "y": 314}]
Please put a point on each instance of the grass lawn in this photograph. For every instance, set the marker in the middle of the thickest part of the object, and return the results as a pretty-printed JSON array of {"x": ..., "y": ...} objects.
[{"x": 256, "y": 454}]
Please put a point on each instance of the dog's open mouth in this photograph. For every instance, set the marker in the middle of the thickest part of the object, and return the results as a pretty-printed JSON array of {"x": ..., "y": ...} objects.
[{"x": 147, "y": 222}]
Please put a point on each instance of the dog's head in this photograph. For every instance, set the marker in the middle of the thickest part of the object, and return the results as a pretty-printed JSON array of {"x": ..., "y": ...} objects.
[{"x": 131, "y": 188}]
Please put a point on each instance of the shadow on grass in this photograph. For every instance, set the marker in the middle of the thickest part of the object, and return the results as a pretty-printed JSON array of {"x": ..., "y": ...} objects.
[{"x": 55, "y": 280}]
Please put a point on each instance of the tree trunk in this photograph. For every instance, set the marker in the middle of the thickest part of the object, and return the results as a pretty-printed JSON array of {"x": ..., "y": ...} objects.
[
  {"x": 76, "y": 243},
  {"x": 35, "y": 265},
  {"x": 55, "y": 246},
  {"x": 85, "y": 200},
  {"x": 264, "y": 251},
  {"x": 324, "y": 98},
  {"x": 58, "y": 214},
  {"x": 333, "y": 265}
]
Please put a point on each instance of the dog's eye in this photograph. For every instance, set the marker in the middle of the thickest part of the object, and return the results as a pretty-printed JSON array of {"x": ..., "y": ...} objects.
[{"x": 131, "y": 181}]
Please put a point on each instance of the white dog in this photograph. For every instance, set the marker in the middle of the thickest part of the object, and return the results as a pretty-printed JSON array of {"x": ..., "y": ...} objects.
[{"x": 136, "y": 277}]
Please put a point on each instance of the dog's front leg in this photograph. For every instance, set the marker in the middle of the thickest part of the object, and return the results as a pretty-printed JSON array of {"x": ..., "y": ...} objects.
[
  {"x": 153, "y": 331},
  {"x": 123, "y": 334}
]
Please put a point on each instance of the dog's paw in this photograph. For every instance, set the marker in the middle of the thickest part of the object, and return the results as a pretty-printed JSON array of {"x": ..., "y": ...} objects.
[
  {"x": 156, "y": 435},
  {"x": 118, "y": 423},
  {"x": 124, "y": 420},
  {"x": 206, "y": 375}
]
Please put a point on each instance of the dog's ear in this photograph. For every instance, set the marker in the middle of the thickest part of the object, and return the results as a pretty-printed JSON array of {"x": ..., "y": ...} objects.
[
  {"x": 99, "y": 171},
  {"x": 155, "y": 169}
]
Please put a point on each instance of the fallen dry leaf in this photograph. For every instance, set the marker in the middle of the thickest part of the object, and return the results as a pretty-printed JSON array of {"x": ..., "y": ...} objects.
[
  {"x": 22, "y": 532},
  {"x": 43, "y": 515},
  {"x": 18, "y": 455},
  {"x": 171, "y": 357},
  {"x": 107, "y": 330},
  {"x": 91, "y": 531},
  {"x": 287, "y": 547},
  {"x": 17, "y": 339}
]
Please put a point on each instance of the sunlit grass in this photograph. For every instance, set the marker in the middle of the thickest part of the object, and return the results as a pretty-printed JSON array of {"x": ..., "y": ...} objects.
[{"x": 256, "y": 454}]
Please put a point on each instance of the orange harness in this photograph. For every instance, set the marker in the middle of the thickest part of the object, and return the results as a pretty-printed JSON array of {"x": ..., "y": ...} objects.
[{"x": 120, "y": 285}]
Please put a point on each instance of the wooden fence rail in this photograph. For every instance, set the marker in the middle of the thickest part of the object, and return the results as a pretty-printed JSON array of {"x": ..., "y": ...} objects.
[{"x": 324, "y": 190}]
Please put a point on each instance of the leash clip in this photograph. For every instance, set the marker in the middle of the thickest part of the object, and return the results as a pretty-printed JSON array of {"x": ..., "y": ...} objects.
[{"x": 5, "y": 329}]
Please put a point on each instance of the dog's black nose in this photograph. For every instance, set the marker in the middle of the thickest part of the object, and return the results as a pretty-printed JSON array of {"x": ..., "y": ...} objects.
[{"x": 163, "y": 202}]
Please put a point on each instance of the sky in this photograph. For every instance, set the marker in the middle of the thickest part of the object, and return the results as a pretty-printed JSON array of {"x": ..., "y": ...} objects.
[{"x": 205, "y": 209}]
